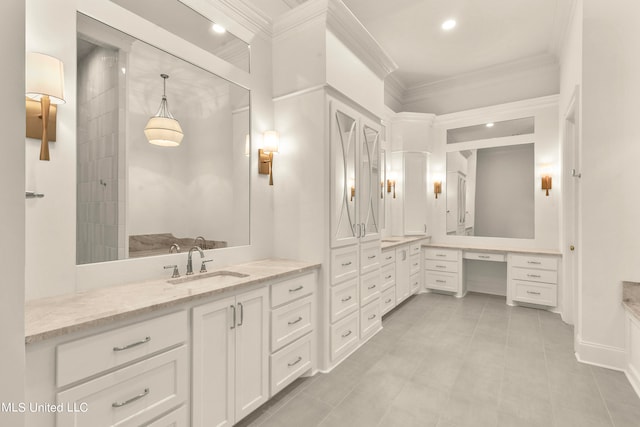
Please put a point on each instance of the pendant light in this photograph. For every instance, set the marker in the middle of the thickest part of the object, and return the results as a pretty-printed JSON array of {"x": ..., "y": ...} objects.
[{"x": 163, "y": 129}]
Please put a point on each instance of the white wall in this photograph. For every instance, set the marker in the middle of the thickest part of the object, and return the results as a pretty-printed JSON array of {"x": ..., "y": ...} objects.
[
  {"x": 610, "y": 173},
  {"x": 50, "y": 235},
  {"x": 12, "y": 223}
]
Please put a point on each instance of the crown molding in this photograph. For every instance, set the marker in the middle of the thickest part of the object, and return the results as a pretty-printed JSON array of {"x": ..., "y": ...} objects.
[
  {"x": 509, "y": 107},
  {"x": 565, "y": 10},
  {"x": 344, "y": 25},
  {"x": 394, "y": 88},
  {"x": 479, "y": 78},
  {"x": 405, "y": 117},
  {"x": 241, "y": 18}
]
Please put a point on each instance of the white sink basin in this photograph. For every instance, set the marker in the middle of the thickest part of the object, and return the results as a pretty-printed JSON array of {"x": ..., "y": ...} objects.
[{"x": 222, "y": 275}]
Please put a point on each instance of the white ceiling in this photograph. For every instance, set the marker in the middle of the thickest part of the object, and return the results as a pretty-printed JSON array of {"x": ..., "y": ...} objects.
[{"x": 489, "y": 32}]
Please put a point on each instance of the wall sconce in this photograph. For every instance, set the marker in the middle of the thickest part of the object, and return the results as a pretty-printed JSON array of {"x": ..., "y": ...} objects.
[
  {"x": 45, "y": 84},
  {"x": 437, "y": 188},
  {"x": 163, "y": 129},
  {"x": 391, "y": 184},
  {"x": 270, "y": 142},
  {"x": 546, "y": 183}
]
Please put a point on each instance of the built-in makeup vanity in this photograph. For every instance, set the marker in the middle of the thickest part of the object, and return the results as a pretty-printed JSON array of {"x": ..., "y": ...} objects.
[{"x": 531, "y": 275}]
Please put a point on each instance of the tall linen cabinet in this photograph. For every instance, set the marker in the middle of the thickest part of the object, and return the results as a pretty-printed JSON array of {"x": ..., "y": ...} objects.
[{"x": 328, "y": 99}]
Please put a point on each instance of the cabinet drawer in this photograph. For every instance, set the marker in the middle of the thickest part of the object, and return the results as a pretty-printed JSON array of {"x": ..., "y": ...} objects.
[
  {"x": 530, "y": 261},
  {"x": 370, "y": 256},
  {"x": 370, "y": 319},
  {"x": 369, "y": 287},
  {"x": 130, "y": 396},
  {"x": 289, "y": 290},
  {"x": 344, "y": 299},
  {"x": 344, "y": 336},
  {"x": 442, "y": 281},
  {"x": 544, "y": 276},
  {"x": 289, "y": 363},
  {"x": 414, "y": 249},
  {"x": 91, "y": 355},
  {"x": 175, "y": 418},
  {"x": 535, "y": 293},
  {"x": 485, "y": 256},
  {"x": 447, "y": 266},
  {"x": 441, "y": 254},
  {"x": 387, "y": 300},
  {"x": 414, "y": 263},
  {"x": 344, "y": 264},
  {"x": 290, "y": 322},
  {"x": 414, "y": 283},
  {"x": 389, "y": 257},
  {"x": 388, "y": 275}
]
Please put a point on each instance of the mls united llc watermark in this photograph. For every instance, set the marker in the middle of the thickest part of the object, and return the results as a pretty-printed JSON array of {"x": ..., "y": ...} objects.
[{"x": 46, "y": 407}]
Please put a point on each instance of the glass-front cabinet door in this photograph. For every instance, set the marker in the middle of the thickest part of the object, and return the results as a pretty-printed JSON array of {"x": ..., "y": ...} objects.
[
  {"x": 369, "y": 181},
  {"x": 345, "y": 187}
]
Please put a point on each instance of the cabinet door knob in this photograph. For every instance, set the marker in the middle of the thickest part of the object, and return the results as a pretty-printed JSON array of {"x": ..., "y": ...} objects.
[{"x": 572, "y": 248}]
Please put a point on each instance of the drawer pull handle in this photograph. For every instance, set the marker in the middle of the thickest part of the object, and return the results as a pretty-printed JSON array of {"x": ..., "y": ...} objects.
[
  {"x": 440, "y": 281},
  {"x": 241, "y": 314},
  {"x": 441, "y": 266},
  {"x": 373, "y": 316},
  {"x": 346, "y": 334},
  {"x": 131, "y": 400},
  {"x": 298, "y": 360},
  {"x": 371, "y": 287},
  {"x": 533, "y": 293},
  {"x": 534, "y": 262},
  {"x": 415, "y": 264},
  {"x": 442, "y": 255},
  {"x": 371, "y": 256},
  {"x": 135, "y": 344},
  {"x": 295, "y": 321},
  {"x": 388, "y": 258},
  {"x": 346, "y": 264},
  {"x": 387, "y": 277},
  {"x": 233, "y": 323},
  {"x": 537, "y": 276},
  {"x": 484, "y": 256},
  {"x": 346, "y": 299},
  {"x": 388, "y": 301},
  {"x": 296, "y": 289}
]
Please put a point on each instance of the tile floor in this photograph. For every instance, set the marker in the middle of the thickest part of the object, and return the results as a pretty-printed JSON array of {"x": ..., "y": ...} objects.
[{"x": 447, "y": 362}]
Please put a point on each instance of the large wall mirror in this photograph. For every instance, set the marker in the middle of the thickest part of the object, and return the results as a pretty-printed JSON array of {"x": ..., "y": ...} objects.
[
  {"x": 138, "y": 199},
  {"x": 490, "y": 191}
]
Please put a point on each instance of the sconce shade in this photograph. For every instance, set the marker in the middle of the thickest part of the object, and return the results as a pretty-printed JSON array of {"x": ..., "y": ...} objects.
[
  {"x": 546, "y": 184},
  {"x": 437, "y": 188},
  {"x": 44, "y": 77},
  {"x": 270, "y": 141},
  {"x": 163, "y": 129}
]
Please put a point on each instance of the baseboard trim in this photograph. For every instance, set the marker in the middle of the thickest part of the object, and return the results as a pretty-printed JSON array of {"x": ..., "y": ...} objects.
[{"x": 603, "y": 356}]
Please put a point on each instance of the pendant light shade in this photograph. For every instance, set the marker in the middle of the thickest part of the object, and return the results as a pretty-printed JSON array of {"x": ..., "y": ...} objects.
[{"x": 163, "y": 129}]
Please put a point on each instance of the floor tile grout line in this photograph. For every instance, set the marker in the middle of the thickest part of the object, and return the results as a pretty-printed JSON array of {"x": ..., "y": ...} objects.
[
  {"x": 546, "y": 368},
  {"x": 606, "y": 406}
]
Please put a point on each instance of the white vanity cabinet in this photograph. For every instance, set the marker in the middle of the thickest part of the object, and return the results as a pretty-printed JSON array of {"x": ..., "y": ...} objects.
[
  {"x": 388, "y": 278},
  {"x": 230, "y": 358},
  {"x": 403, "y": 274},
  {"x": 409, "y": 209},
  {"x": 443, "y": 270},
  {"x": 146, "y": 374},
  {"x": 533, "y": 279}
]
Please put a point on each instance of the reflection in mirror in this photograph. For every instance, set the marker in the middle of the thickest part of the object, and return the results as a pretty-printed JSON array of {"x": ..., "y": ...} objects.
[
  {"x": 370, "y": 176},
  {"x": 181, "y": 20},
  {"x": 524, "y": 126},
  {"x": 345, "y": 176},
  {"x": 137, "y": 199},
  {"x": 490, "y": 192}
]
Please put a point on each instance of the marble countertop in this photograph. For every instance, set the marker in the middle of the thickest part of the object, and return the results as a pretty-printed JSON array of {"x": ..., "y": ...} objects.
[
  {"x": 631, "y": 297},
  {"x": 50, "y": 317},
  {"x": 395, "y": 241},
  {"x": 494, "y": 249}
]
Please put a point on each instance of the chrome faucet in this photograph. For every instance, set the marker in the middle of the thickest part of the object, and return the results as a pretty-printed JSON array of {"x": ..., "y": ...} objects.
[
  {"x": 175, "y": 247},
  {"x": 189, "y": 263},
  {"x": 203, "y": 240}
]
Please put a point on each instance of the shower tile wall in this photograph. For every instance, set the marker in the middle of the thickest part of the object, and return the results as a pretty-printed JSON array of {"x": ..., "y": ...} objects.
[{"x": 99, "y": 137}]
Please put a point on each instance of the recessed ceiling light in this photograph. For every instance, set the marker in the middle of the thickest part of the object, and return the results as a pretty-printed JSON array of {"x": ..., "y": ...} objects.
[
  {"x": 449, "y": 24},
  {"x": 489, "y": 125},
  {"x": 218, "y": 28}
]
